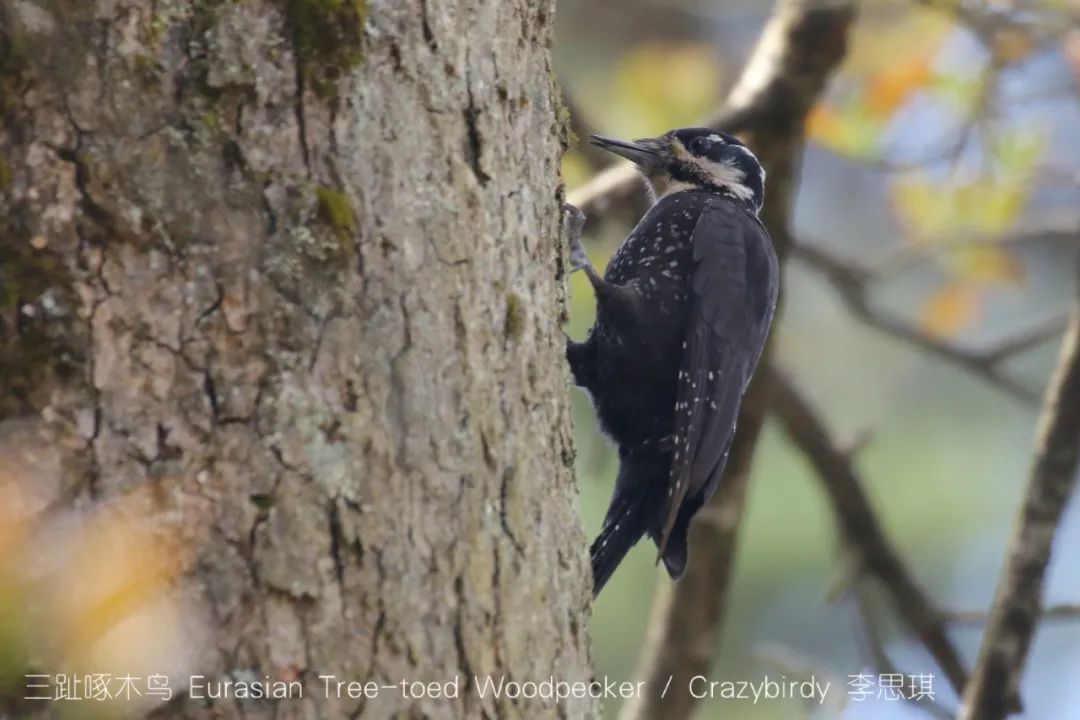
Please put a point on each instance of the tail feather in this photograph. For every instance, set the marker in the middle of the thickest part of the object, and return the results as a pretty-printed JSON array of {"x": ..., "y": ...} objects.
[
  {"x": 623, "y": 527},
  {"x": 677, "y": 552}
]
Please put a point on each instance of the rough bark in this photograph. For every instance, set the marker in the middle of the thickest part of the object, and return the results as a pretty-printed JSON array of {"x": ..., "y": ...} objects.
[{"x": 294, "y": 266}]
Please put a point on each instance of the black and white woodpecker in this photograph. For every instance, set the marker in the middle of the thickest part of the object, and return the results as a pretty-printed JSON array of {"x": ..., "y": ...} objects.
[{"x": 683, "y": 313}]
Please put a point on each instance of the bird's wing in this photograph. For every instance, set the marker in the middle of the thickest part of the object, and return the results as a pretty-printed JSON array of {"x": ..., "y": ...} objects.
[{"x": 733, "y": 296}]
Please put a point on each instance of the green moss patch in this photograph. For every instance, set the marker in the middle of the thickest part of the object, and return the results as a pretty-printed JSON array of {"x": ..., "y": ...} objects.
[
  {"x": 327, "y": 39},
  {"x": 514, "y": 325},
  {"x": 336, "y": 210}
]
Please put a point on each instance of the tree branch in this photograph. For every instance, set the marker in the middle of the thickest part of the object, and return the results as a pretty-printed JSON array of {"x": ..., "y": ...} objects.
[
  {"x": 1065, "y": 611},
  {"x": 1047, "y": 231},
  {"x": 994, "y": 689},
  {"x": 879, "y": 655},
  {"x": 852, "y": 282},
  {"x": 801, "y": 45},
  {"x": 859, "y": 527}
]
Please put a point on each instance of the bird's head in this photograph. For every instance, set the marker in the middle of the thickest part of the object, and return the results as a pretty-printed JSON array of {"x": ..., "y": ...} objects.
[{"x": 695, "y": 159}]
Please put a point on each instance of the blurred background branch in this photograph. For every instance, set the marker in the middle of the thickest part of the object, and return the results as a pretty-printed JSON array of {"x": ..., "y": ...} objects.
[
  {"x": 1065, "y": 611},
  {"x": 852, "y": 281},
  {"x": 862, "y": 535},
  {"x": 995, "y": 687},
  {"x": 878, "y": 653}
]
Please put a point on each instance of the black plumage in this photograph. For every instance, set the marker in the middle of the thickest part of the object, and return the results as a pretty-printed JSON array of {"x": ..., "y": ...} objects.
[{"x": 683, "y": 313}]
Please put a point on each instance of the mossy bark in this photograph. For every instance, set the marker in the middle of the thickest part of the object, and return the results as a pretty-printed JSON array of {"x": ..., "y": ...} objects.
[{"x": 304, "y": 281}]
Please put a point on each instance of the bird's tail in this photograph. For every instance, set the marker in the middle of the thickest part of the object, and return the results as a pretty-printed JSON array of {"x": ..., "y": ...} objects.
[{"x": 623, "y": 527}]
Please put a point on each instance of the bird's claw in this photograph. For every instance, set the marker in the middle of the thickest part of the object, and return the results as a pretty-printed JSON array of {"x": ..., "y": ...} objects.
[{"x": 575, "y": 221}]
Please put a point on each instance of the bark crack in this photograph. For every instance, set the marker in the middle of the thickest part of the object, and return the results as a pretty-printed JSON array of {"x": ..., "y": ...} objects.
[
  {"x": 473, "y": 143},
  {"x": 425, "y": 25}
]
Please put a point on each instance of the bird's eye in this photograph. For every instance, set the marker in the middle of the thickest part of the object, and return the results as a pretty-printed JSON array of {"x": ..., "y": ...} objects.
[{"x": 700, "y": 146}]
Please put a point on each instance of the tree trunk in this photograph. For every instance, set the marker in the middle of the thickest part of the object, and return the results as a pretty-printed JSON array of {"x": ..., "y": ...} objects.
[{"x": 289, "y": 273}]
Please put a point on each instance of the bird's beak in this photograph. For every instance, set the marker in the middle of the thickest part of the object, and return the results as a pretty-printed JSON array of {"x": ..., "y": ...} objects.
[{"x": 646, "y": 153}]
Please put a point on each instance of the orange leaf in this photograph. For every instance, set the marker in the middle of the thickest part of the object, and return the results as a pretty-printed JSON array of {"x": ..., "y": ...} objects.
[
  {"x": 888, "y": 89},
  {"x": 822, "y": 123},
  {"x": 950, "y": 310},
  {"x": 847, "y": 131}
]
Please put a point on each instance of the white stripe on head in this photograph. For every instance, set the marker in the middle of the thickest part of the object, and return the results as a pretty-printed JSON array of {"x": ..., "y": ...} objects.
[{"x": 729, "y": 177}]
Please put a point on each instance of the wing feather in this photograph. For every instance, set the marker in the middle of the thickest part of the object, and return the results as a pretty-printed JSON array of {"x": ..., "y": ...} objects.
[{"x": 734, "y": 284}]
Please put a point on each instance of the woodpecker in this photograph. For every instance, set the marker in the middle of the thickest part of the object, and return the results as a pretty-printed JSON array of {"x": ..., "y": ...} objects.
[{"x": 683, "y": 311}]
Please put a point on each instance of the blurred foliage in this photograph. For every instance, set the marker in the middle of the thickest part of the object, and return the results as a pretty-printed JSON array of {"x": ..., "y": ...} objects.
[
  {"x": 932, "y": 209},
  {"x": 855, "y": 127},
  {"x": 984, "y": 207},
  {"x": 85, "y": 593},
  {"x": 659, "y": 85}
]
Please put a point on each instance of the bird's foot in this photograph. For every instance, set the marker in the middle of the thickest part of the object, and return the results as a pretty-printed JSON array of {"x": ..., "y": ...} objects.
[{"x": 575, "y": 221}]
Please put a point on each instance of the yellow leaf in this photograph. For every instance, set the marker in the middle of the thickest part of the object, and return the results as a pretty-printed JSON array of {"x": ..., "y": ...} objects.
[
  {"x": 951, "y": 309},
  {"x": 924, "y": 208},
  {"x": 127, "y": 568},
  {"x": 986, "y": 206},
  {"x": 1016, "y": 151},
  {"x": 994, "y": 208},
  {"x": 850, "y": 131},
  {"x": 119, "y": 567},
  {"x": 987, "y": 264}
]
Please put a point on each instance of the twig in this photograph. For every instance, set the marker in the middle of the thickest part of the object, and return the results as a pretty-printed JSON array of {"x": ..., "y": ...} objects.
[
  {"x": 1065, "y": 611},
  {"x": 852, "y": 282},
  {"x": 994, "y": 690},
  {"x": 988, "y": 23},
  {"x": 879, "y": 656},
  {"x": 801, "y": 45},
  {"x": 1047, "y": 231},
  {"x": 859, "y": 526}
]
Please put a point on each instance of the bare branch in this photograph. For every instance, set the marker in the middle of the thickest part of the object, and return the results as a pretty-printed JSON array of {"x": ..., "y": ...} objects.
[
  {"x": 1047, "y": 231},
  {"x": 879, "y": 655},
  {"x": 801, "y": 45},
  {"x": 1065, "y": 611},
  {"x": 852, "y": 282},
  {"x": 989, "y": 23},
  {"x": 859, "y": 526},
  {"x": 1024, "y": 340},
  {"x": 994, "y": 690}
]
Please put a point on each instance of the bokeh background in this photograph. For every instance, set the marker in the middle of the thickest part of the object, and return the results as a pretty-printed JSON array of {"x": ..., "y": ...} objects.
[{"x": 931, "y": 133}]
